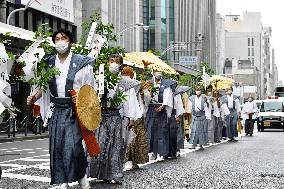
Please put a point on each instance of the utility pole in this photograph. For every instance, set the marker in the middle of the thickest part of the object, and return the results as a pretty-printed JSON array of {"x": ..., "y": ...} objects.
[{"x": 3, "y": 11}]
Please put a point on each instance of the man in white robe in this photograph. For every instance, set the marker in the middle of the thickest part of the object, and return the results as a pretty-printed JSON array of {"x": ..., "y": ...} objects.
[
  {"x": 249, "y": 114},
  {"x": 68, "y": 161}
]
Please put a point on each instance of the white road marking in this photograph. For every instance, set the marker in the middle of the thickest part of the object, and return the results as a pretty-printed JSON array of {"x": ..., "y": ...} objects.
[
  {"x": 14, "y": 148},
  {"x": 26, "y": 177},
  {"x": 31, "y": 152},
  {"x": 3, "y": 149},
  {"x": 39, "y": 148},
  {"x": 8, "y": 151},
  {"x": 18, "y": 150},
  {"x": 27, "y": 149}
]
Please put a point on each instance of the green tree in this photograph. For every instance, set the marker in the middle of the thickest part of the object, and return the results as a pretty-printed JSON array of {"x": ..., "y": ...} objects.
[{"x": 105, "y": 30}]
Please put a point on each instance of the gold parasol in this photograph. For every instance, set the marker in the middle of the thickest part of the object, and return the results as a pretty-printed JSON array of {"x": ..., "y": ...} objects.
[
  {"x": 138, "y": 59},
  {"x": 88, "y": 107}
]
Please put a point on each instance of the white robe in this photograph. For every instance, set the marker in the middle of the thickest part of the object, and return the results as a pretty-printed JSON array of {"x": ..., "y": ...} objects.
[
  {"x": 178, "y": 105},
  {"x": 249, "y": 107},
  {"x": 82, "y": 77}
]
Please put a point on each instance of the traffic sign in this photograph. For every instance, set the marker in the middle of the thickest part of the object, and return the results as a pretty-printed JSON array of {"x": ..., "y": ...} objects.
[{"x": 188, "y": 60}]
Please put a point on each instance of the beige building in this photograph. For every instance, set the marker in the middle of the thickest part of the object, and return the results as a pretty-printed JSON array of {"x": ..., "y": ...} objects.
[{"x": 245, "y": 44}]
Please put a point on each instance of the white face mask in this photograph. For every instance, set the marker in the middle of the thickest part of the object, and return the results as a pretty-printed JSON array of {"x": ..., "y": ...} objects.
[
  {"x": 158, "y": 75},
  {"x": 198, "y": 93},
  {"x": 114, "y": 68},
  {"x": 62, "y": 47}
]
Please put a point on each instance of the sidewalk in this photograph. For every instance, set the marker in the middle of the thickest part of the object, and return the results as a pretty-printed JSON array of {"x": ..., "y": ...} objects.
[{"x": 19, "y": 136}]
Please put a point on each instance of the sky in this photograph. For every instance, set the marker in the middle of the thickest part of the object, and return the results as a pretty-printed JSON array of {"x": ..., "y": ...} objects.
[{"x": 272, "y": 16}]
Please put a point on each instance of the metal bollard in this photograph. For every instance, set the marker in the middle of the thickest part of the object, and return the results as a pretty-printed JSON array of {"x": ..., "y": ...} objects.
[
  {"x": 14, "y": 126},
  {"x": 26, "y": 126},
  {"x": 8, "y": 128}
]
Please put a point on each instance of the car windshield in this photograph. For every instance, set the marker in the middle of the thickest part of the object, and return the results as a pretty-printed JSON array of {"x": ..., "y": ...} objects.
[{"x": 271, "y": 107}]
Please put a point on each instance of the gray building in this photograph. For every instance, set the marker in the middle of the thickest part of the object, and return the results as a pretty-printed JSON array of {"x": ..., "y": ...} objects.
[
  {"x": 124, "y": 15},
  {"x": 168, "y": 21},
  {"x": 193, "y": 17},
  {"x": 220, "y": 43}
]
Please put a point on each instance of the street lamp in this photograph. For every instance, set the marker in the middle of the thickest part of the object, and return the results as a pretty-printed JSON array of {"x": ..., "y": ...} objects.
[
  {"x": 20, "y": 9},
  {"x": 137, "y": 25}
]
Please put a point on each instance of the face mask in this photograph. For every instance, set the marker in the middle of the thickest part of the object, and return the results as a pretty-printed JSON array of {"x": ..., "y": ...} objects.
[
  {"x": 62, "y": 47},
  {"x": 198, "y": 93},
  {"x": 114, "y": 68},
  {"x": 158, "y": 75},
  {"x": 230, "y": 92}
]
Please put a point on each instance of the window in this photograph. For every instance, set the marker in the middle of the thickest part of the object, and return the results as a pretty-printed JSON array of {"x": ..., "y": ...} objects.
[
  {"x": 252, "y": 60},
  {"x": 248, "y": 59},
  {"x": 252, "y": 51},
  {"x": 248, "y": 51},
  {"x": 248, "y": 41},
  {"x": 252, "y": 41}
]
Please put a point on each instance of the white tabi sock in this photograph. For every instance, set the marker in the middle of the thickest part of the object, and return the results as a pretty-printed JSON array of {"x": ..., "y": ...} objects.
[
  {"x": 84, "y": 183},
  {"x": 63, "y": 186}
]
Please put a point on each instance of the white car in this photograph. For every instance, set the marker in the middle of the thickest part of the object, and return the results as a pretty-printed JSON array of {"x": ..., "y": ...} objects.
[{"x": 271, "y": 115}]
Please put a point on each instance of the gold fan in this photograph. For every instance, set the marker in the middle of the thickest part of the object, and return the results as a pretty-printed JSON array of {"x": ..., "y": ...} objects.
[{"x": 88, "y": 107}]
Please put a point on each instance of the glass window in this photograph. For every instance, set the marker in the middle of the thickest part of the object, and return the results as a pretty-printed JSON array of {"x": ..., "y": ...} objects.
[
  {"x": 252, "y": 41},
  {"x": 248, "y": 41},
  {"x": 248, "y": 51},
  {"x": 252, "y": 51},
  {"x": 252, "y": 60},
  {"x": 271, "y": 106}
]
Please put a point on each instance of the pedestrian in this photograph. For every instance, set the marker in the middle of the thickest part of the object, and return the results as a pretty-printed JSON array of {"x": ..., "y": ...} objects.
[
  {"x": 68, "y": 162},
  {"x": 133, "y": 108},
  {"x": 159, "y": 111},
  {"x": 184, "y": 109},
  {"x": 233, "y": 104},
  {"x": 249, "y": 114},
  {"x": 175, "y": 126},
  {"x": 108, "y": 165},
  {"x": 187, "y": 118},
  {"x": 219, "y": 112},
  {"x": 212, "y": 123},
  {"x": 199, "y": 125}
]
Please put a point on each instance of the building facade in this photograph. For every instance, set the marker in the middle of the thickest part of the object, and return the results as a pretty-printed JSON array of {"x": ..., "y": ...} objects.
[
  {"x": 245, "y": 44},
  {"x": 220, "y": 44},
  {"x": 194, "y": 17},
  {"x": 124, "y": 15}
]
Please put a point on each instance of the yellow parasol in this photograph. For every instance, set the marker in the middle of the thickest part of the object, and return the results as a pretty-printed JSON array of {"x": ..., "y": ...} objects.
[{"x": 137, "y": 58}]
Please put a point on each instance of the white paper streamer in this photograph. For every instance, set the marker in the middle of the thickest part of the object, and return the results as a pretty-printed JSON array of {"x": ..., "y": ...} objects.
[
  {"x": 91, "y": 36},
  {"x": 101, "y": 79},
  {"x": 5, "y": 88},
  {"x": 94, "y": 42},
  {"x": 31, "y": 57}
]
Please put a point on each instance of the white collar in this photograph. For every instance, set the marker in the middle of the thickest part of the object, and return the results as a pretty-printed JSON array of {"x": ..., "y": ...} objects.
[{"x": 68, "y": 58}]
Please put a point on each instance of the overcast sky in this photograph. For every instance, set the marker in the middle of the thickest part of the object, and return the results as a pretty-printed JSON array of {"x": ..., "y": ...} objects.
[{"x": 272, "y": 16}]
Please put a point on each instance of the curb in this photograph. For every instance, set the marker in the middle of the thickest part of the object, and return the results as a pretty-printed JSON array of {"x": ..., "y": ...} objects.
[{"x": 23, "y": 138}]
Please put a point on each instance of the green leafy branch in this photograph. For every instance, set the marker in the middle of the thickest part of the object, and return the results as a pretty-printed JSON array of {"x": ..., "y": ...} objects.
[
  {"x": 118, "y": 99},
  {"x": 43, "y": 75}
]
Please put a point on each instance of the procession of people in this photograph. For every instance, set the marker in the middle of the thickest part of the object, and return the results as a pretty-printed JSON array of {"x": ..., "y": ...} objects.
[{"x": 153, "y": 122}]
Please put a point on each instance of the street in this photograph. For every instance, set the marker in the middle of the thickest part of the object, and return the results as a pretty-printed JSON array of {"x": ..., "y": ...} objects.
[{"x": 253, "y": 162}]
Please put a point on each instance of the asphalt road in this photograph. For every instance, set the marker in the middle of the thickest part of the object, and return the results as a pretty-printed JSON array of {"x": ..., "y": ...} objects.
[{"x": 253, "y": 162}]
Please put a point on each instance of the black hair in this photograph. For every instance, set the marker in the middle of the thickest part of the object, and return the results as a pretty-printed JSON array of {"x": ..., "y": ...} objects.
[
  {"x": 116, "y": 56},
  {"x": 66, "y": 32}
]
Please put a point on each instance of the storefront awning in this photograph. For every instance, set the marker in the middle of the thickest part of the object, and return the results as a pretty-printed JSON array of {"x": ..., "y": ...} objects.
[{"x": 16, "y": 32}]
